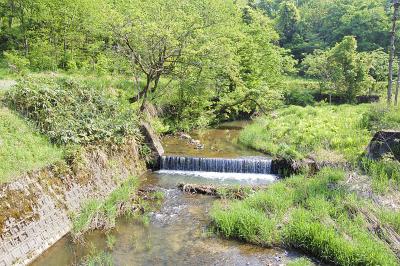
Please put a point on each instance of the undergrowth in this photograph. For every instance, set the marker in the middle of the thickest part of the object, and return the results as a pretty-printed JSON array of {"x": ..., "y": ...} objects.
[
  {"x": 73, "y": 111},
  {"x": 385, "y": 173},
  {"x": 297, "y": 132},
  {"x": 102, "y": 214},
  {"x": 125, "y": 200},
  {"x": 313, "y": 214},
  {"x": 98, "y": 258}
]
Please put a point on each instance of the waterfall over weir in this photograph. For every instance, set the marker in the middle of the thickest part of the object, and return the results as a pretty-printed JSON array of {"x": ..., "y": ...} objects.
[{"x": 221, "y": 165}]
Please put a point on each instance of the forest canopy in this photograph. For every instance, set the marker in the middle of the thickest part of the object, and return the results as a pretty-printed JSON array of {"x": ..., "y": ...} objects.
[{"x": 221, "y": 58}]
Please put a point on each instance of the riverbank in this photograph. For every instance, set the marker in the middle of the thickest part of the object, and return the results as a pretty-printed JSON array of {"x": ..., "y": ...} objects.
[
  {"x": 36, "y": 207},
  {"x": 346, "y": 216},
  {"x": 65, "y": 144}
]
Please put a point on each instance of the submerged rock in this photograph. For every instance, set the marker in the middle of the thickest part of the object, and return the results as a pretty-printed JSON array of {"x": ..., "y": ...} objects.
[{"x": 185, "y": 136}]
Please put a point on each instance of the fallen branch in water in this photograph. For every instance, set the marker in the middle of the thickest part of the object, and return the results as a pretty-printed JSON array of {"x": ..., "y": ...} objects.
[{"x": 232, "y": 192}]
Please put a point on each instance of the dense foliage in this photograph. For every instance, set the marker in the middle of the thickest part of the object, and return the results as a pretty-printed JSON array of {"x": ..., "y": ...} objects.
[
  {"x": 341, "y": 70},
  {"x": 309, "y": 24},
  {"x": 69, "y": 111},
  {"x": 197, "y": 60},
  {"x": 204, "y": 61}
]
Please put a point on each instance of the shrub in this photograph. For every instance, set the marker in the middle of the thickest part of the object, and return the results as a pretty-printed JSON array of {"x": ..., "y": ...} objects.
[
  {"x": 300, "y": 91},
  {"x": 70, "y": 111},
  {"x": 17, "y": 64},
  {"x": 43, "y": 56},
  {"x": 299, "y": 97}
]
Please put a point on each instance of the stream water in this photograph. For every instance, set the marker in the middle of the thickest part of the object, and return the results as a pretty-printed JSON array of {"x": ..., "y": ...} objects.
[{"x": 178, "y": 233}]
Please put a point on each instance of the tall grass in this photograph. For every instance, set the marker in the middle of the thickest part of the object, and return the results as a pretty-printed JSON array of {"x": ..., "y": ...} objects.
[
  {"x": 297, "y": 132},
  {"x": 313, "y": 214},
  {"x": 21, "y": 148},
  {"x": 103, "y": 212},
  {"x": 385, "y": 173}
]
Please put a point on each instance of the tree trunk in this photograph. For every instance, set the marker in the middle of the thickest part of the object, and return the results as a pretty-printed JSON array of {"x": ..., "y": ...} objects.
[
  {"x": 145, "y": 91},
  {"x": 11, "y": 15},
  {"x": 398, "y": 83},
  {"x": 396, "y": 5}
]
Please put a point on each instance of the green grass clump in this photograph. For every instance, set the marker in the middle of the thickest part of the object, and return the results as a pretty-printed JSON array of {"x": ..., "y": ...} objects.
[
  {"x": 297, "y": 132},
  {"x": 21, "y": 148},
  {"x": 313, "y": 214},
  {"x": 379, "y": 117},
  {"x": 70, "y": 111},
  {"x": 98, "y": 258},
  {"x": 106, "y": 211},
  {"x": 385, "y": 173},
  {"x": 300, "y": 262}
]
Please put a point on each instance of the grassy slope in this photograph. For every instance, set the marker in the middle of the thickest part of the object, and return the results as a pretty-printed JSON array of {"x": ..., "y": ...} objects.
[
  {"x": 314, "y": 214},
  {"x": 21, "y": 148},
  {"x": 297, "y": 132}
]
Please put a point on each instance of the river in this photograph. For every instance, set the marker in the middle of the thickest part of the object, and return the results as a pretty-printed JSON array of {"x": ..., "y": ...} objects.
[{"x": 178, "y": 232}]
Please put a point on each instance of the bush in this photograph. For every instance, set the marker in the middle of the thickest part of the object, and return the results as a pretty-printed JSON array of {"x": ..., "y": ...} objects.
[
  {"x": 300, "y": 91},
  {"x": 43, "y": 56},
  {"x": 17, "y": 64},
  {"x": 70, "y": 111},
  {"x": 299, "y": 97}
]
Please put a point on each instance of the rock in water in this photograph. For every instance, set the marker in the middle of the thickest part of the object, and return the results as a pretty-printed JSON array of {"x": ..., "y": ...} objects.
[{"x": 385, "y": 142}]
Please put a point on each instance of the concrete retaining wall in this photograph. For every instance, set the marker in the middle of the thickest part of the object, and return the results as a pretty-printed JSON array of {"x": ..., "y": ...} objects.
[{"x": 34, "y": 209}]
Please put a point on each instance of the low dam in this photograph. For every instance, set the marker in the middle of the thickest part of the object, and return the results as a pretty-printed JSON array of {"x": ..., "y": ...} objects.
[{"x": 220, "y": 165}]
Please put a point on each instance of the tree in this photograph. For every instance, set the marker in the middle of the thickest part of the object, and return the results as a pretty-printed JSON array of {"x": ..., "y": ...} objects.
[
  {"x": 155, "y": 36},
  {"x": 262, "y": 64},
  {"x": 396, "y": 6},
  {"x": 396, "y": 95},
  {"x": 288, "y": 19},
  {"x": 341, "y": 69}
]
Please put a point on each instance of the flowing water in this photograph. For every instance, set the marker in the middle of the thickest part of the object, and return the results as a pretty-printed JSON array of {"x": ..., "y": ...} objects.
[{"x": 178, "y": 232}]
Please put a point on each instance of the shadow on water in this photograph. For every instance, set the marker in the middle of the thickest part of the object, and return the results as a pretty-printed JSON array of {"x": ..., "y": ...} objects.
[{"x": 178, "y": 232}]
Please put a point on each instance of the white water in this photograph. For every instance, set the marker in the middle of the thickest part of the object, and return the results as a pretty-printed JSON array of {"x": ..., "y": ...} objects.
[
  {"x": 223, "y": 177},
  {"x": 220, "y": 165}
]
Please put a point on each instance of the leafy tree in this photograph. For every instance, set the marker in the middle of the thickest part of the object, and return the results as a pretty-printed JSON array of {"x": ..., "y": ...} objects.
[
  {"x": 288, "y": 19},
  {"x": 155, "y": 36},
  {"x": 342, "y": 69},
  {"x": 261, "y": 63},
  {"x": 396, "y": 6},
  {"x": 325, "y": 22}
]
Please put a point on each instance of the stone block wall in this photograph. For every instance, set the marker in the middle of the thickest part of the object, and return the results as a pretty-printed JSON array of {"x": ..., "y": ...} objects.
[{"x": 35, "y": 208}]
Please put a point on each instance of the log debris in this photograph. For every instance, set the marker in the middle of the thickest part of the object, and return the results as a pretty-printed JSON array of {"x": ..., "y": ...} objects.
[{"x": 232, "y": 192}]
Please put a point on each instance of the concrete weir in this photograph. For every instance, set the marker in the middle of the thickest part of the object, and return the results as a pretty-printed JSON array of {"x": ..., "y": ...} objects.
[{"x": 220, "y": 165}]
